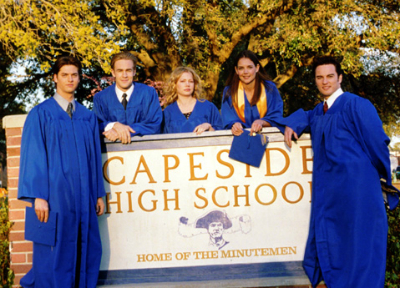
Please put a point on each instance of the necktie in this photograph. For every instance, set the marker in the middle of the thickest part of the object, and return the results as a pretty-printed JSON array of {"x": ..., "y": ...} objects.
[
  {"x": 69, "y": 109},
  {"x": 325, "y": 107},
  {"x": 124, "y": 101}
]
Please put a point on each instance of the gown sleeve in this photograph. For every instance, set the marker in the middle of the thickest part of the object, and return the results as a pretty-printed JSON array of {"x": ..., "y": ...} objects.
[
  {"x": 99, "y": 110},
  {"x": 33, "y": 174},
  {"x": 228, "y": 112},
  {"x": 166, "y": 121},
  {"x": 216, "y": 120},
  {"x": 368, "y": 130},
  {"x": 274, "y": 106},
  {"x": 99, "y": 191},
  {"x": 152, "y": 115},
  {"x": 298, "y": 121}
]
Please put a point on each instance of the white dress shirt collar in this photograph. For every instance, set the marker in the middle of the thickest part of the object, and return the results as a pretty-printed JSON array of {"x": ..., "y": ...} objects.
[
  {"x": 63, "y": 102},
  {"x": 120, "y": 93},
  {"x": 333, "y": 97}
]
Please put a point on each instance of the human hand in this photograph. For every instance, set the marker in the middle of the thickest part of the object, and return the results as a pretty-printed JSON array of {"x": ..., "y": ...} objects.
[
  {"x": 203, "y": 127},
  {"x": 124, "y": 132},
  {"x": 237, "y": 129},
  {"x": 258, "y": 125},
  {"x": 289, "y": 133},
  {"x": 42, "y": 209},
  {"x": 100, "y": 206},
  {"x": 111, "y": 135}
]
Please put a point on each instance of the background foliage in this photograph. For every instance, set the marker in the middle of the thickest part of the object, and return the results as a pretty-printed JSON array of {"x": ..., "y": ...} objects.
[
  {"x": 6, "y": 274},
  {"x": 393, "y": 255},
  {"x": 207, "y": 35}
]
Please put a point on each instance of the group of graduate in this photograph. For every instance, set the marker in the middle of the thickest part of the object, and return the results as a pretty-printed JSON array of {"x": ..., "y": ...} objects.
[
  {"x": 250, "y": 100},
  {"x": 61, "y": 166}
]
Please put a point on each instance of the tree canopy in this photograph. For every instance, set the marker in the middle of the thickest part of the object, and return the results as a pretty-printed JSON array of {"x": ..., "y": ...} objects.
[{"x": 208, "y": 34}]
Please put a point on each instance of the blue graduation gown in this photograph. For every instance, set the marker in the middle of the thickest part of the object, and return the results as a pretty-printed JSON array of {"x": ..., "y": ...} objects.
[
  {"x": 203, "y": 112},
  {"x": 274, "y": 108},
  {"x": 61, "y": 163},
  {"x": 346, "y": 246},
  {"x": 143, "y": 112}
]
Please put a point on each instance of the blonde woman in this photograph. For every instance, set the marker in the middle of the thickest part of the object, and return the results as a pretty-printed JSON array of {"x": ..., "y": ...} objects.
[{"x": 185, "y": 111}]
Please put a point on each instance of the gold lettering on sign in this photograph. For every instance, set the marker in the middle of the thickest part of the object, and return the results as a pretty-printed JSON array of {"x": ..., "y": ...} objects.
[
  {"x": 229, "y": 165},
  {"x": 246, "y": 195},
  {"x": 130, "y": 209},
  {"x": 167, "y": 167},
  {"x": 287, "y": 161},
  {"x": 202, "y": 198},
  {"x": 154, "y": 257},
  {"x": 205, "y": 254},
  {"x": 140, "y": 202},
  {"x": 192, "y": 166},
  {"x": 105, "y": 168},
  {"x": 146, "y": 170},
  {"x": 284, "y": 192},
  {"x": 305, "y": 159},
  {"x": 239, "y": 253},
  {"x": 214, "y": 197},
  {"x": 118, "y": 202},
  {"x": 248, "y": 175},
  {"x": 258, "y": 197},
  {"x": 166, "y": 199}
]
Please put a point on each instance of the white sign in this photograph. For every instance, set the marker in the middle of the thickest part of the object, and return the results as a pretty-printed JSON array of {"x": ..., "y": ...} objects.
[{"x": 195, "y": 206}]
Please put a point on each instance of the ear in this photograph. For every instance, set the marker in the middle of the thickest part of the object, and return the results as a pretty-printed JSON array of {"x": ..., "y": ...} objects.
[
  {"x": 257, "y": 67},
  {"x": 236, "y": 70},
  {"x": 55, "y": 78},
  {"x": 134, "y": 72},
  {"x": 113, "y": 73},
  {"x": 340, "y": 78}
]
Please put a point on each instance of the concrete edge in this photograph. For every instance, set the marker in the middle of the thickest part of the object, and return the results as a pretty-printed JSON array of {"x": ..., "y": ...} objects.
[{"x": 14, "y": 121}]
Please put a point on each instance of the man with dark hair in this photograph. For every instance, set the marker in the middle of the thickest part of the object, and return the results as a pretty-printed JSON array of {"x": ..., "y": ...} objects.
[
  {"x": 346, "y": 246},
  {"x": 127, "y": 108},
  {"x": 60, "y": 173}
]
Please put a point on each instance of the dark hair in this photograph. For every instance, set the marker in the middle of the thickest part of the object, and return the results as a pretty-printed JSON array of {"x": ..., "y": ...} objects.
[
  {"x": 123, "y": 56},
  {"x": 326, "y": 60},
  {"x": 233, "y": 79},
  {"x": 66, "y": 60}
]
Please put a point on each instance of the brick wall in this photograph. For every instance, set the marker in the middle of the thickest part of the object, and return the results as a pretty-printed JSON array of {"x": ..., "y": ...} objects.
[{"x": 21, "y": 250}]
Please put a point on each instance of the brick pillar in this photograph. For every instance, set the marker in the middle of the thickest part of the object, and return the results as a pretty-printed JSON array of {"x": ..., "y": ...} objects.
[{"x": 21, "y": 250}]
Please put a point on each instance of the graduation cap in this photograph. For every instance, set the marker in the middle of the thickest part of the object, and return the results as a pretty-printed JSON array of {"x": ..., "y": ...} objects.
[
  {"x": 40, "y": 232},
  {"x": 248, "y": 148}
]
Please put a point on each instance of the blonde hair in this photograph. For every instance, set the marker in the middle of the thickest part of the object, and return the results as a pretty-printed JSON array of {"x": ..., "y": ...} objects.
[
  {"x": 170, "y": 88},
  {"x": 124, "y": 56}
]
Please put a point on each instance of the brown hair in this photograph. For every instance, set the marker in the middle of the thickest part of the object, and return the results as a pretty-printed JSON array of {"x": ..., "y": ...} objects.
[
  {"x": 123, "y": 56},
  {"x": 66, "y": 60},
  {"x": 326, "y": 60},
  {"x": 233, "y": 79},
  {"x": 170, "y": 88}
]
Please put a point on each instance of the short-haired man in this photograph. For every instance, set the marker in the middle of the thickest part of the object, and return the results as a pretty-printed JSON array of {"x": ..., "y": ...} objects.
[
  {"x": 346, "y": 245},
  {"x": 60, "y": 172},
  {"x": 127, "y": 108}
]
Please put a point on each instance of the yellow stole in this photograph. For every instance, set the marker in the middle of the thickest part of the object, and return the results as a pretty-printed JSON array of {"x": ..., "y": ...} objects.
[{"x": 261, "y": 103}]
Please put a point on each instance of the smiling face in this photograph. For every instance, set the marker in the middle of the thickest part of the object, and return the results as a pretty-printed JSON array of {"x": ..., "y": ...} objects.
[
  {"x": 185, "y": 85},
  {"x": 327, "y": 80},
  {"x": 246, "y": 70},
  {"x": 124, "y": 71},
  {"x": 67, "y": 80}
]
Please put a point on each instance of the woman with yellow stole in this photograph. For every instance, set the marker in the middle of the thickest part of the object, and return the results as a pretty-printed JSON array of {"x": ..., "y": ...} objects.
[{"x": 250, "y": 99}]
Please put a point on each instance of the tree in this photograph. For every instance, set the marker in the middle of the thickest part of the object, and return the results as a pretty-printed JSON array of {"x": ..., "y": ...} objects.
[{"x": 204, "y": 34}]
